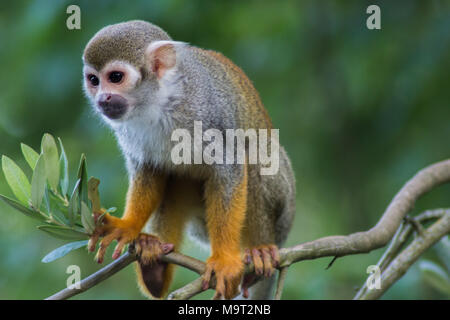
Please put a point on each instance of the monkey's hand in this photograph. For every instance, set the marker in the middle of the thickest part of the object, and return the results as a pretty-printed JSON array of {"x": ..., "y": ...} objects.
[
  {"x": 265, "y": 258},
  {"x": 112, "y": 228},
  {"x": 228, "y": 269}
]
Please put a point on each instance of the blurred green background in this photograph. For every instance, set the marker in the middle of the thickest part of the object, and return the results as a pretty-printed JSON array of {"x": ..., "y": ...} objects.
[{"x": 359, "y": 112}]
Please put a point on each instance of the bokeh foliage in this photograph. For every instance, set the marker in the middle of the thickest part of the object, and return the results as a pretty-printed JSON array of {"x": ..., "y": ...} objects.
[{"x": 359, "y": 113}]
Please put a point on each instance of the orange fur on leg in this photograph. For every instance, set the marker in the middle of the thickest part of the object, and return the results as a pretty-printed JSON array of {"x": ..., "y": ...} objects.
[
  {"x": 168, "y": 223},
  {"x": 225, "y": 221}
]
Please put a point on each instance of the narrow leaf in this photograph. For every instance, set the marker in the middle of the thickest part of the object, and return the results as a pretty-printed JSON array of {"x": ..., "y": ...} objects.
[
  {"x": 82, "y": 175},
  {"x": 50, "y": 152},
  {"x": 86, "y": 218},
  {"x": 47, "y": 200},
  {"x": 435, "y": 276},
  {"x": 63, "y": 250},
  {"x": 38, "y": 183},
  {"x": 17, "y": 180},
  {"x": 30, "y": 155},
  {"x": 443, "y": 251},
  {"x": 74, "y": 207},
  {"x": 63, "y": 232},
  {"x": 18, "y": 206},
  {"x": 59, "y": 216},
  {"x": 64, "y": 168},
  {"x": 93, "y": 194}
]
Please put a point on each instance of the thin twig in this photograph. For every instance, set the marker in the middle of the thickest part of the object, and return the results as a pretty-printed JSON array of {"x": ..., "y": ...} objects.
[
  {"x": 280, "y": 284},
  {"x": 398, "y": 267},
  {"x": 400, "y": 238},
  {"x": 406, "y": 230},
  {"x": 95, "y": 278}
]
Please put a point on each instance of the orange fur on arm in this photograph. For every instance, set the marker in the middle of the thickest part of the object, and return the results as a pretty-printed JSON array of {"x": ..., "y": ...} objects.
[{"x": 144, "y": 196}]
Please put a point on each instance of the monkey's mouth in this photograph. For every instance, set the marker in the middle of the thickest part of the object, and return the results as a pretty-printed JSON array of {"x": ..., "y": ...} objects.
[
  {"x": 113, "y": 106},
  {"x": 114, "y": 111}
]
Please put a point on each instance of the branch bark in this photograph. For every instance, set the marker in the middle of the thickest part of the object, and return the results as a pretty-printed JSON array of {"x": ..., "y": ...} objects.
[
  {"x": 334, "y": 246},
  {"x": 398, "y": 267},
  {"x": 400, "y": 238}
]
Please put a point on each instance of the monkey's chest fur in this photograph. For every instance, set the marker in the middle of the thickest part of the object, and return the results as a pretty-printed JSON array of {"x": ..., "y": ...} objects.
[{"x": 150, "y": 144}]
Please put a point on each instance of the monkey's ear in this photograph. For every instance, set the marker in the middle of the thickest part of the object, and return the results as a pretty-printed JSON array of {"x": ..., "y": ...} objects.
[{"x": 161, "y": 56}]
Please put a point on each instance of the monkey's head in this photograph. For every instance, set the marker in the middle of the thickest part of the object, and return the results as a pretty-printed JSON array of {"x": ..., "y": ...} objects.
[{"x": 124, "y": 68}]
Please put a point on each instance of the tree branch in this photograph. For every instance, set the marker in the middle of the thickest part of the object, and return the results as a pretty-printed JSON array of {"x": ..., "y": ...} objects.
[
  {"x": 280, "y": 284},
  {"x": 360, "y": 242},
  {"x": 334, "y": 246},
  {"x": 398, "y": 267},
  {"x": 95, "y": 278}
]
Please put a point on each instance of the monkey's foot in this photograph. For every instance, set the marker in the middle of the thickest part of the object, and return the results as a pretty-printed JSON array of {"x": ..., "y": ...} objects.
[
  {"x": 112, "y": 228},
  {"x": 149, "y": 248},
  {"x": 228, "y": 271},
  {"x": 265, "y": 259}
]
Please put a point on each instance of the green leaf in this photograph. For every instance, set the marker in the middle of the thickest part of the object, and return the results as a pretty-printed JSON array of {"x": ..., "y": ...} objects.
[
  {"x": 111, "y": 210},
  {"x": 74, "y": 205},
  {"x": 30, "y": 155},
  {"x": 63, "y": 250},
  {"x": 17, "y": 180},
  {"x": 443, "y": 250},
  {"x": 63, "y": 232},
  {"x": 47, "y": 200},
  {"x": 86, "y": 218},
  {"x": 38, "y": 183},
  {"x": 93, "y": 194},
  {"x": 50, "y": 152},
  {"x": 64, "y": 166},
  {"x": 435, "y": 276},
  {"x": 82, "y": 176},
  {"x": 18, "y": 206},
  {"x": 58, "y": 215}
]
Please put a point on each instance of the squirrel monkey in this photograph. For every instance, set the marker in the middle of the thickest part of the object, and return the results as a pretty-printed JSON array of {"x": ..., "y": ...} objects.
[{"x": 145, "y": 85}]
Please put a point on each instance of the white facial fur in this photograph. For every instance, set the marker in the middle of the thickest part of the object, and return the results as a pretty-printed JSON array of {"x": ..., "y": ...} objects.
[
  {"x": 130, "y": 81},
  {"x": 144, "y": 131}
]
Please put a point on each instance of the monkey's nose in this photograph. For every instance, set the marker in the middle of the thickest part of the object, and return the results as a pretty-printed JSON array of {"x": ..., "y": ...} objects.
[
  {"x": 104, "y": 99},
  {"x": 112, "y": 105}
]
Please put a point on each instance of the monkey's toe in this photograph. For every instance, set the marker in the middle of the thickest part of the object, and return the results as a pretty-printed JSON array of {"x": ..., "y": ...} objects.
[
  {"x": 149, "y": 248},
  {"x": 265, "y": 258},
  {"x": 228, "y": 273}
]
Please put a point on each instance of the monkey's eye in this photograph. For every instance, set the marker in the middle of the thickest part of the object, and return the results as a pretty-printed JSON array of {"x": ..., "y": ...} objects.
[
  {"x": 115, "y": 76},
  {"x": 93, "y": 80}
]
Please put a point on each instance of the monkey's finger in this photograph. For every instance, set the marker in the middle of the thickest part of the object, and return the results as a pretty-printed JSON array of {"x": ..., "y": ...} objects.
[
  {"x": 119, "y": 248},
  {"x": 275, "y": 255},
  {"x": 257, "y": 262},
  {"x": 267, "y": 260},
  {"x": 104, "y": 244},
  {"x": 247, "y": 256},
  {"x": 245, "y": 293},
  {"x": 206, "y": 277},
  {"x": 217, "y": 296},
  {"x": 137, "y": 247},
  {"x": 167, "y": 248},
  {"x": 220, "y": 288},
  {"x": 246, "y": 282},
  {"x": 93, "y": 242}
]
